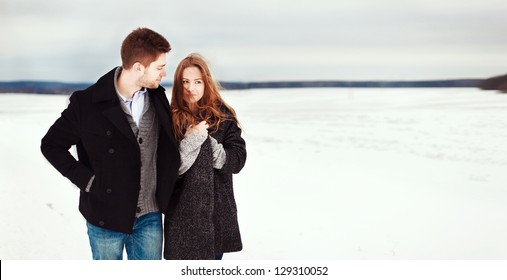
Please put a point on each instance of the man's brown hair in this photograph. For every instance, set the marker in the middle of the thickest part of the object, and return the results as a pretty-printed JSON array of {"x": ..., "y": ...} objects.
[{"x": 143, "y": 45}]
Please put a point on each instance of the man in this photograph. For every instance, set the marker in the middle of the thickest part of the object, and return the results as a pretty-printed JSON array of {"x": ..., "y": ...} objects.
[{"x": 128, "y": 157}]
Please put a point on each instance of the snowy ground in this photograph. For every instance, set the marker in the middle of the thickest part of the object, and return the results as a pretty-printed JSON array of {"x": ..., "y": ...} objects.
[{"x": 331, "y": 174}]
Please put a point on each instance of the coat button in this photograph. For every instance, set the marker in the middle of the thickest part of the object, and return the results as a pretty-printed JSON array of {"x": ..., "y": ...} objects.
[
  {"x": 140, "y": 140},
  {"x": 101, "y": 223},
  {"x": 138, "y": 209},
  {"x": 108, "y": 133},
  {"x": 110, "y": 150},
  {"x": 109, "y": 191}
]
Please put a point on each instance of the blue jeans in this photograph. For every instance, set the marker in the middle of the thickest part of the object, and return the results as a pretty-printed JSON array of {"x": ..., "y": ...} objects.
[{"x": 145, "y": 243}]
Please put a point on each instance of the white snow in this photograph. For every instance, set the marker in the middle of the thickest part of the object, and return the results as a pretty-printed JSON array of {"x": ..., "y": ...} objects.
[{"x": 331, "y": 174}]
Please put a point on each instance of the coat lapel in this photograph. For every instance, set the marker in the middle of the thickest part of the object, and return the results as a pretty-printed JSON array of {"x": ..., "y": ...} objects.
[
  {"x": 163, "y": 111},
  {"x": 117, "y": 117},
  {"x": 105, "y": 93}
]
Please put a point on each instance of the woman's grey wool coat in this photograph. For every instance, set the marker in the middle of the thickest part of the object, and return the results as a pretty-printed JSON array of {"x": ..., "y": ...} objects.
[{"x": 202, "y": 220}]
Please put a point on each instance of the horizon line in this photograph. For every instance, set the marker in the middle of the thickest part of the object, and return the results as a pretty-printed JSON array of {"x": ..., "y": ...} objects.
[{"x": 272, "y": 81}]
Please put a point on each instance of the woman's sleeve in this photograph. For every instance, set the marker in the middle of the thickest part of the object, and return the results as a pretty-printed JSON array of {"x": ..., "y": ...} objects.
[
  {"x": 190, "y": 146},
  {"x": 235, "y": 149},
  {"x": 219, "y": 154}
]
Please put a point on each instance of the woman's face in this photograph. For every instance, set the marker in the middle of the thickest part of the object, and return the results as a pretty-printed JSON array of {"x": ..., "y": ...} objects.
[{"x": 193, "y": 84}]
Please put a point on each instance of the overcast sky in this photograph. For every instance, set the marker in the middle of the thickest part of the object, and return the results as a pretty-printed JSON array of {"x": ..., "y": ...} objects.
[{"x": 79, "y": 40}]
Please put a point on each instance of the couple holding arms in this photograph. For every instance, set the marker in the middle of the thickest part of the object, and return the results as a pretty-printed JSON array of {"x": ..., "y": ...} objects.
[{"x": 139, "y": 157}]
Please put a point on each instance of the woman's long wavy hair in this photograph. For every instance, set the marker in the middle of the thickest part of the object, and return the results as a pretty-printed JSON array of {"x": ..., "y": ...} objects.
[{"x": 208, "y": 107}]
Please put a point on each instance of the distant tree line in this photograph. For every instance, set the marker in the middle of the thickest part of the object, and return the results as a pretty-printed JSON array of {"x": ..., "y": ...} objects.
[
  {"x": 495, "y": 83},
  {"x": 67, "y": 88},
  {"x": 352, "y": 84},
  {"x": 41, "y": 87}
]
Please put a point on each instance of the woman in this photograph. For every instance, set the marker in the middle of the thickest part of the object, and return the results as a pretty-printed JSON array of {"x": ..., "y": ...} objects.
[{"x": 202, "y": 221}]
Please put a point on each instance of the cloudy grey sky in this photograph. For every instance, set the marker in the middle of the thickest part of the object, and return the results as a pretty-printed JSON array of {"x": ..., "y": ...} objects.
[{"x": 79, "y": 40}]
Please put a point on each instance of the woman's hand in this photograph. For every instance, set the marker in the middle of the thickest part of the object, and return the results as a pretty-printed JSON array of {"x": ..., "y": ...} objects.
[{"x": 201, "y": 128}]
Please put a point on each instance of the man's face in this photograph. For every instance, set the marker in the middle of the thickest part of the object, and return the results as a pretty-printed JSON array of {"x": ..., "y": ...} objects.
[{"x": 154, "y": 73}]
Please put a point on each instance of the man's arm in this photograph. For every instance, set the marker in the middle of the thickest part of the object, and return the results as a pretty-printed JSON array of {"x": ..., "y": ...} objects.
[{"x": 59, "y": 139}]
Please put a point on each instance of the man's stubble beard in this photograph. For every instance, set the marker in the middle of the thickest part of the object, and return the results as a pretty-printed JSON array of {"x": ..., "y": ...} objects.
[{"x": 144, "y": 82}]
